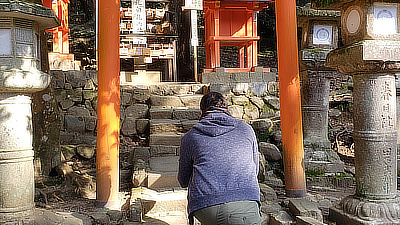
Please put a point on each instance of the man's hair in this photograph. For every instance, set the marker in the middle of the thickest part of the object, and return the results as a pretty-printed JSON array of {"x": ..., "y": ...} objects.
[{"x": 213, "y": 100}]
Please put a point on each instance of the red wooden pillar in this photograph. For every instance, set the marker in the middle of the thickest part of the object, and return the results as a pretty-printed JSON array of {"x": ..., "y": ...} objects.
[
  {"x": 289, "y": 92},
  {"x": 107, "y": 159}
]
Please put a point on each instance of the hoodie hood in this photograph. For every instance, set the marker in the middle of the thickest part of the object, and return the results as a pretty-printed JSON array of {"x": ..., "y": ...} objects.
[{"x": 216, "y": 124}]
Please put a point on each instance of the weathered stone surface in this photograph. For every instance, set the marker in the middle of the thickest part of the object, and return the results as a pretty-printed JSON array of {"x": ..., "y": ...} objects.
[
  {"x": 197, "y": 88},
  {"x": 268, "y": 193},
  {"x": 86, "y": 151},
  {"x": 58, "y": 78},
  {"x": 186, "y": 113},
  {"x": 66, "y": 103},
  {"x": 270, "y": 151},
  {"x": 273, "y": 88},
  {"x": 250, "y": 112},
  {"x": 173, "y": 101},
  {"x": 90, "y": 123},
  {"x": 165, "y": 126},
  {"x": 270, "y": 76},
  {"x": 129, "y": 126},
  {"x": 89, "y": 85},
  {"x": 303, "y": 220},
  {"x": 136, "y": 111},
  {"x": 240, "y": 77},
  {"x": 240, "y": 88},
  {"x": 281, "y": 218},
  {"x": 267, "y": 112},
  {"x": 191, "y": 100},
  {"x": 258, "y": 88},
  {"x": 257, "y": 101},
  {"x": 178, "y": 89},
  {"x": 139, "y": 178},
  {"x": 262, "y": 125},
  {"x": 78, "y": 111},
  {"x": 165, "y": 139},
  {"x": 236, "y": 111},
  {"x": 142, "y": 153},
  {"x": 215, "y": 77},
  {"x": 68, "y": 151},
  {"x": 125, "y": 98},
  {"x": 270, "y": 207},
  {"x": 84, "y": 139},
  {"x": 142, "y": 126},
  {"x": 305, "y": 207},
  {"x": 273, "y": 102},
  {"x": 75, "y": 123},
  {"x": 159, "y": 150},
  {"x": 141, "y": 96},
  {"x": 161, "y": 112},
  {"x": 224, "y": 88},
  {"x": 100, "y": 218},
  {"x": 240, "y": 100},
  {"x": 89, "y": 94},
  {"x": 188, "y": 124},
  {"x": 66, "y": 137}
]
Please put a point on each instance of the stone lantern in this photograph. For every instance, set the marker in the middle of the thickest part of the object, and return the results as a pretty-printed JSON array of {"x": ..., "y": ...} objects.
[
  {"x": 370, "y": 32},
  {"x": 21, "y": 25},
  {"x": 319, "y": 37}
]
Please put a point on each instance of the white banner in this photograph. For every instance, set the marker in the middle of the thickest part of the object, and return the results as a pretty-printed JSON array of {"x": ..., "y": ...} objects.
[{"x": 138, "y": 16}]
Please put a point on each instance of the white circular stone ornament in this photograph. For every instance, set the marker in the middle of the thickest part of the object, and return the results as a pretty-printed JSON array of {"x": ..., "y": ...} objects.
[{"x": 353, "y": 21}]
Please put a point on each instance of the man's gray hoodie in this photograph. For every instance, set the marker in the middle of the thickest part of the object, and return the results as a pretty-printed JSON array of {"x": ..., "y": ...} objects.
[{"x": 218, "y": 161}]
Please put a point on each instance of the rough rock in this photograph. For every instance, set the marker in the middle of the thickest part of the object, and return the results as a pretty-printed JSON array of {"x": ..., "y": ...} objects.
[{"x": 270, "y": 151}]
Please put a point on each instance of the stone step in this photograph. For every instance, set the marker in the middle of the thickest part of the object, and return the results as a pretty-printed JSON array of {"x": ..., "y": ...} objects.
[
  {"x": 159, "y": 126},
  {"x": 167, "y": 139},
  {"x": 177, "y": 113},
  {"x": 165, "y": 207},
  {"x": 163, "y": 172}
]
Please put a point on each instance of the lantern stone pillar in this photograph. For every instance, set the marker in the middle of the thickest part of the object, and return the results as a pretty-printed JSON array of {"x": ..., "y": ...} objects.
[
  {"x": 371, "y": 55},
  {"x": 21, "y": 25},
  {"x": 319, "y": 37}
]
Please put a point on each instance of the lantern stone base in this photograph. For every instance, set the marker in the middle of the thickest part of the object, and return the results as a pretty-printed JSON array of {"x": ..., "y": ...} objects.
[
  {"x": 318, "y": 156},
  {"x": 354, "y": 210}
]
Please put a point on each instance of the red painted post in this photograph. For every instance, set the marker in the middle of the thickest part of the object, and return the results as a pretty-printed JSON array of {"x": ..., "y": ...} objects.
[
  {"x": 107, "y": 160},
  {"x": 290, "y": 100}
]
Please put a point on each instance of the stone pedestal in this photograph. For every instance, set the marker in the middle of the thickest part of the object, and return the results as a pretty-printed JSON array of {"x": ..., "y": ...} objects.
[
  {"x": 22, "y": 22},
  {"x": 375, "y": 137},
  {"x": 16, "y": 157},
  {"x": 315, "y": 104}
]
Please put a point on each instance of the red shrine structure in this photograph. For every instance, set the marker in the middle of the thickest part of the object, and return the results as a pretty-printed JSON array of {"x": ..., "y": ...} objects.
[{"x": 231, "y": 23}]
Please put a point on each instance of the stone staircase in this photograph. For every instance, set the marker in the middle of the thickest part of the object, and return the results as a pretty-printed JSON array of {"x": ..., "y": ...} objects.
[{"x": 160, "y": 200}]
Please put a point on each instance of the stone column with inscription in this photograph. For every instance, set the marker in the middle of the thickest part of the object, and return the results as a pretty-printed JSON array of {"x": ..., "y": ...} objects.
[
  {"x": 319, "y": 37},
  {"x": 371, "y": 55}
]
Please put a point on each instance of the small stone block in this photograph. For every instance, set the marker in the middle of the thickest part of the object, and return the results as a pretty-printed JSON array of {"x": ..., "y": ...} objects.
[
  {"x": 157, "y": 112},
  {"x": 142, "y": 126},
  {"x": 86, "y": 152},
  {"x": 191, "y": 100},
  {"x": 159, "y": 150},
  {"x": 281, "y": 218},
  {"x": 258, "y": 88},
  {"x": 305, "y": 207},
  {"x": 222, "y": 88},
  {"x": 173, "y": 101},
  {"x": 188, "y": 124},
  {"x": 303, "y": 220},
  {"x": 240, "y": 100},
  {"x": 269, "y": 76},
  {"x": 240, "y": 88},
  {"x": 240, "y": 77},
  {"x": 186, "y": 113},
  {"x": 165, "y": 139},
  {"x": 165, "y": 126}
]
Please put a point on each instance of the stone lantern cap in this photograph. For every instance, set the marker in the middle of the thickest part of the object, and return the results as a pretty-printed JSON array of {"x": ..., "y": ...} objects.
[
  {"x": 310, "y": 13},
  {"x": 44, "y": 16}
]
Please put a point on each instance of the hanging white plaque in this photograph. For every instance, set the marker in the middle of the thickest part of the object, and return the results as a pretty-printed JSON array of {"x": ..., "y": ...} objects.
[
  {"x": 322, "y": 35},
  {"x": 138, "y": 16},
  {"x": 385, "y": 19},
  {"x": 194, "y": 4}
]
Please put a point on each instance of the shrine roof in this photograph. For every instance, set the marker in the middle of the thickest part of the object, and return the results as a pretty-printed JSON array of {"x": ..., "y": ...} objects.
[{"x": 44, "y": 16}]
